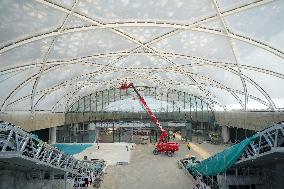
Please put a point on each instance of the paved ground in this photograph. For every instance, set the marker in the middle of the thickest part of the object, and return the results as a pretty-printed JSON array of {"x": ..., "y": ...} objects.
[
  {"x": 110, "y": 152},
  {"x": 205, "y": 150},
  {"x": 147, "y": 171}
]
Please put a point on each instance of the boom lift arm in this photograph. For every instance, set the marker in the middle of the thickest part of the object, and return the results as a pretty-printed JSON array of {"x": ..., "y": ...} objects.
[{"x": 164, "y": 134}]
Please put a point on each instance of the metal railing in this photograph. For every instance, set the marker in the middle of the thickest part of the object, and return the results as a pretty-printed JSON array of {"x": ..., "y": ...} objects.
[
  {"x": 15, "y": 141},
  {"x": 208, "y": 181},
  {"x": 202, "y": 181},
  {"x": 267, "y": 140}
]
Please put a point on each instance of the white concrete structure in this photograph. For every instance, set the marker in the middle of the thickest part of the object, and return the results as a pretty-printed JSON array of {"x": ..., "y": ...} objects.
[
  {"x": 52, "y": 135},
  {"x": 53, "y": 53},
  {"x": 225, "y": 134}
]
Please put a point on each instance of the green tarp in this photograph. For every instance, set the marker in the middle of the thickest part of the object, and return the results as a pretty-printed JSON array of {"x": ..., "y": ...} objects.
[{"x": 220, "y": 162}]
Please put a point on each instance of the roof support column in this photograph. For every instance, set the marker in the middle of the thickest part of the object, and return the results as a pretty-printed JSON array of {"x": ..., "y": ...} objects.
[{"x": 52, "y": 135}]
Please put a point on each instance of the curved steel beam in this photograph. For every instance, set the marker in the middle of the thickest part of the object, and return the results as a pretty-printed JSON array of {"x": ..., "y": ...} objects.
[
  {"x": 222, "y": 87},
  {"x": 63, "y": 84},
  {"x": 199, "y": 64},
  {"x": 114, "y": 83},
  {"x": 212, "y": 83},
  {"x": 234, "y": 53},
  {"x": 231, "y": 34},
  {"x": 173, "y": 25},
  {"x": 174, "y": 93},
  {"x": 21, "y": 85},
  {"x": 242, "y": 38},
  {"x": 84, "y": 61},
  {"x": 202, "y": 62},
  {"x": 152, "y": 41},
  {"x": 130, "y": 38},
  {"x": 272, "y": 106},
  {"x": 43, "y": 67},
  {"x": 134, "y": 73},
  {"x": 191, "y": 78},
  {"x": 258, "y": 87}
]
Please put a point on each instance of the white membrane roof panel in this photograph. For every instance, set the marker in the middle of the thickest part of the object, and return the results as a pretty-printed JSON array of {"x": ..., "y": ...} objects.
[
  {"x": 64, "y": 3},
  {"x": 64, "y": 74},
  {"x": 252, "y": 56},
  {"x": 263, "y": 23},
  {"x": 224, "y": 97},
  {"x": 79, "y": 44},
  {"x": 146, "y": 34},
  {"x": 231, "y": 4},
  {"x": 180, "y": 10},
  {"x": 221, "y": 51},
  {"x": 195, "y": 43},
  {"x": 13, "y": 84},
  {"x": 21, "y": 19},
  {"x": 272, "y": 85},
  {"x": 27, "y": 54},
  {"x": 141, "y": 60},
  {"x": 218, "y": 75}
]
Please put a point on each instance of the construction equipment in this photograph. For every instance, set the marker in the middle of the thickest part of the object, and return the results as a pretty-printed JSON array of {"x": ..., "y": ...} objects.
[{"x": 162, "y": 146}]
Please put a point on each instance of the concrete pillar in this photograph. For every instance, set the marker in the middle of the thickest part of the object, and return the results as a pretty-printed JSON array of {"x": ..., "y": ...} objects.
[
  {"x": 225, "y": 134},
  {"x": 188, "y": 129},
  {"x": 92, "y": 132},
  {"x": 75, "y": 129},
  {"x": 52, "y": 135}
]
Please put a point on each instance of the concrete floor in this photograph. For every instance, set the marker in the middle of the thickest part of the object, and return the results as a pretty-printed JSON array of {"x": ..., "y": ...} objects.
[
  {"x": 160, "y": 172},
  {"x": 110, "y": 152},
  {"x": 205, "y": 150}
]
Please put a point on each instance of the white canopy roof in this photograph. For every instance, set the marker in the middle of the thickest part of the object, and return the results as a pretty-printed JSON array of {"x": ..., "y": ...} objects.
[{"x": 227, "y": 52}]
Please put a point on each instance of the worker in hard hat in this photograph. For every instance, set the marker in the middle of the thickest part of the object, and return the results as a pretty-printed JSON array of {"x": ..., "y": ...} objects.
[{"x": 188, "y": 146}]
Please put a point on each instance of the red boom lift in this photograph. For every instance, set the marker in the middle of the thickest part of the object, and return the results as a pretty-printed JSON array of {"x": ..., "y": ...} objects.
[{"x": 162, "y": 146}]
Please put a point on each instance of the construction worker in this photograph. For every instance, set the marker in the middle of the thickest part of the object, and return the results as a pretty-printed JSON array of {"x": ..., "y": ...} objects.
[{"x": 188, "y": 146}]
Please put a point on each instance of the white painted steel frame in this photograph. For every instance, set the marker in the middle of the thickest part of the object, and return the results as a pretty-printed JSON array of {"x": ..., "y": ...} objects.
[
  {"x": 14, "y": 139},
  {"x": 177, "y": 28},
  {"x": 266, "y": 141}
]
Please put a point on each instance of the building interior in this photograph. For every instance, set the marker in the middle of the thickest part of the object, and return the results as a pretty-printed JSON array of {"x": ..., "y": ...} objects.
[{"x": 123, "y": 94}]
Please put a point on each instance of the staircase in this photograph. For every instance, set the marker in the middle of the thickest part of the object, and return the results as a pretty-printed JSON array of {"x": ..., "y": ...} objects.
[{"x": 268, "y": 141}]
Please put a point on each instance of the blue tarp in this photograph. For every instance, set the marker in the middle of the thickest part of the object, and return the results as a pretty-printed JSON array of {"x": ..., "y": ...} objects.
[
  {"x": 220, "y": 162},
  {"x": 72, "y": 149}
]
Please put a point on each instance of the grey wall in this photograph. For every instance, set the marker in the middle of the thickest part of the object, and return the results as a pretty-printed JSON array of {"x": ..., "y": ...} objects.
[
  {"x": 19, "y": 180},
  {"x": 36, "y": 121},
  {"x": 274, "y": 176},
  {"x": 248, "y": 120}
]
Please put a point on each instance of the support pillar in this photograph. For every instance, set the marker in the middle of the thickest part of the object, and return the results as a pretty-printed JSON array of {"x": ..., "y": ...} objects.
[
  {"x": 92, "y": 132},
  {"x": 113, "y": 132},
  {"x": 52, "y": 135},
  {"x": 188, "y": 131},
  {"x": 75, "y": 129},
  {"x": 225, "y": 134}
]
